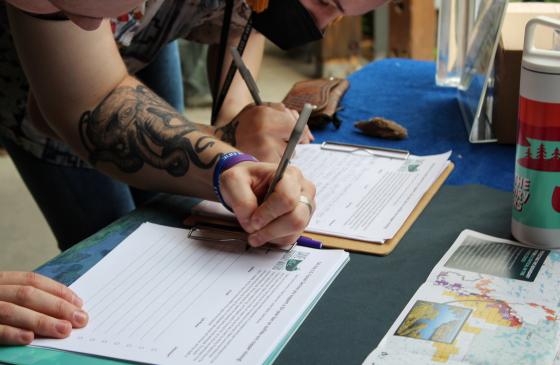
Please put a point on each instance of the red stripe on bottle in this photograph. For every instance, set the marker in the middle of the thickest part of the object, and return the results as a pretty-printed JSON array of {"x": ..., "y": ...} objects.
[{"x": 556, "y": 199}]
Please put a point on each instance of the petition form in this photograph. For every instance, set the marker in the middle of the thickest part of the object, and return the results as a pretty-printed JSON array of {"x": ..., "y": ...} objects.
[
  {"x": 160, "y": 297},
  {"x": 362, "y": 196}
]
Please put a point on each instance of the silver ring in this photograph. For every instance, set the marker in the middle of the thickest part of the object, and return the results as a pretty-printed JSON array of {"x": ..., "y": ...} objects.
[{"x": 305, "y": 200}]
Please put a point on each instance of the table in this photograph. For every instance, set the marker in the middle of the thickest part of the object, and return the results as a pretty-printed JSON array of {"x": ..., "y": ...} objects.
[
  {"x": 362, "y": 303},
  {"x": 404, "y": 91},
  {"x": 359, "y": 307}
]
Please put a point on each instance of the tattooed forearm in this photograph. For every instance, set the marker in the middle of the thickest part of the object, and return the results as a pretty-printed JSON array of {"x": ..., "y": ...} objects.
[
  {"x": 132, "y": 126},
  {"x": 227, "y": 132}
]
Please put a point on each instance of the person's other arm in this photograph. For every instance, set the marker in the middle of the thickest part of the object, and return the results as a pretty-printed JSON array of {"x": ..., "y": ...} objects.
[
  {"x": 238, "y": 96},
  {"x": 262, "y": 137}
]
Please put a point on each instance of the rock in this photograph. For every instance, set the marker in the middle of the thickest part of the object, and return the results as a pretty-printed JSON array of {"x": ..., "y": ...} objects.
[{"x": 381, "y": 127}]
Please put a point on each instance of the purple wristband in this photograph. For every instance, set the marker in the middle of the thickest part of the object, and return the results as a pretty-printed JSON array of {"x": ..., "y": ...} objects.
[{"x": 227, "y": 161}]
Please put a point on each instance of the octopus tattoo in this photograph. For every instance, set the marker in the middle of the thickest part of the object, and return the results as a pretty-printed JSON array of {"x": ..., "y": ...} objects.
[
  {"x": 228, "y": 132},
  {"x": 132, "y": 126}
]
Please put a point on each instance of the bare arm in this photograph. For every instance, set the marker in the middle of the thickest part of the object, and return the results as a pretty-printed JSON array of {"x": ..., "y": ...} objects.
[
  {"x": 264, "y": 137},
  {"x": 238, "y": 96},
  {"x": 86, "y": 96}
]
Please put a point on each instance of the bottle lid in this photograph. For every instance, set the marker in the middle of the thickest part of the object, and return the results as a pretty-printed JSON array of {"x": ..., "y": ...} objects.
[{"x": 536, "y": 59}]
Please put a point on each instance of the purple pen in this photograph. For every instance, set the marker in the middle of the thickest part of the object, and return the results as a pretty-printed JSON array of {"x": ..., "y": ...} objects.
[{"x": 308, "y": 242}]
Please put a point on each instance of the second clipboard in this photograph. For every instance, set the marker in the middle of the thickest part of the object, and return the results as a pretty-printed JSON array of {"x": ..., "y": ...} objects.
[{"x": 389, "y": 245}]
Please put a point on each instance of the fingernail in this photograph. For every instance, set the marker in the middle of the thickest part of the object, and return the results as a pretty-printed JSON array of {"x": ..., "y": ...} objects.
[
  {"x": 62, "y": 327},
  {"x": 26, "y": 337},
  {"x": 80, "y": 317},
  {"x": 77, "y": 301},
  {"x": 254, "y": 240}
]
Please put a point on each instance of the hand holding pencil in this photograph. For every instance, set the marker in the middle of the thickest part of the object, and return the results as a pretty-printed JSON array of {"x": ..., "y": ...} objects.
[{"x": 266, "y": 125}]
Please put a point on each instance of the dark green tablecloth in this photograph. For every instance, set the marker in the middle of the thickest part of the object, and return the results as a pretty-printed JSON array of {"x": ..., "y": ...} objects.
[
  {"x": 362, "y": 303},
  {"x": 360, "y": 306}
]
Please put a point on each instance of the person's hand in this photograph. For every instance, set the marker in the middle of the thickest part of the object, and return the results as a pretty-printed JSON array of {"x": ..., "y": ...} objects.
[
  {"x": 33, "y": 305},
  {"x": 263, "y": 131},
  {"x": 280, "y": 219}
]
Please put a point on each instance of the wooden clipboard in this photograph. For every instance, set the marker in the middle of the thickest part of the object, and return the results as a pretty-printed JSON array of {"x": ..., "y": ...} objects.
[{"x": 382, "y": 249}]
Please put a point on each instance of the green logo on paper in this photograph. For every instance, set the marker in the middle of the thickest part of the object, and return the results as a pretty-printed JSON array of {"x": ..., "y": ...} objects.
[
  {"x": 290, "y": 261},
  {"x": 410, "y": 166},
  {"x": 292, "y": 265},
  {"x": 413, "y": 167}
]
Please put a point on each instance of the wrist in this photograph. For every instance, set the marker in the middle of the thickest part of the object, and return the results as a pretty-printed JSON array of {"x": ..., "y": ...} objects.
[
  {"x": 231, "y": 109},
  {"x": 226, "y": 162}
]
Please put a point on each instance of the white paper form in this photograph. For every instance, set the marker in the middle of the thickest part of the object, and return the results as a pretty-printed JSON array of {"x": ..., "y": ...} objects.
[
  {"x": 162, "y": 298},
  {"x": 365, "y": 197}
]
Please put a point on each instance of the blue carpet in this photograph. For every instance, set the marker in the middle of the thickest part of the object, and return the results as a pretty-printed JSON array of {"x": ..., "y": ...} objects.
[{"x": 405, "y": 91}]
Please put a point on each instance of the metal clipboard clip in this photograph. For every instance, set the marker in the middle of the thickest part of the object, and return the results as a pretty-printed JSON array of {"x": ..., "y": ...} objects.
[
  {"x": 373, "y": 151},
  {"x": 221, "y": 233}
]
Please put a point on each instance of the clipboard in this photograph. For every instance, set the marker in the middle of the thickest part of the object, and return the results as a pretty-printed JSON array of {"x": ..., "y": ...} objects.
[
  {"x": 380, "y": 249},
  {"x": 384, "y": 249}
]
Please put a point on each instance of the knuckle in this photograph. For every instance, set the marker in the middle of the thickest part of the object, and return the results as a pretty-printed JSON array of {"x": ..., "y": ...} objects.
[
  {"x": 24, "y": 294},
  {"x": 61, "y": 309},
  {"x": 7, "y": 311},
  {"x": 262, "y": 140},
  {"x": 312, "y": 189},
  {"x": 31, "y": 278},
  {"x": 43, "y": 324},
  {"x": 268, "y": 212},
  {"x": 289, "y": 121},
  {"x": 299, "y": 222},
  {"x": 258, "y": 126},
  {"x": 260, "y": 112},
  {"x": 285, "y": 202},
  {"x": 295, "y": 172},
  {"x": 62, "y": 292},
  {"x": 272, "y": 144},
  {"x": 6, "y": 335}
]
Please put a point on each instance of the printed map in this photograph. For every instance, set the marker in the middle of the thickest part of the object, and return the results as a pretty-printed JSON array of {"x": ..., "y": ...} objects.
[{"x": 467, "y": 317}]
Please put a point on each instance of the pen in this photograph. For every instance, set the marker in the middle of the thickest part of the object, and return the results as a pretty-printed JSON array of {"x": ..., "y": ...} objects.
[
  {"x": 292, "y": 142},
  {"x": 285, "y": 161},
  {"x": 246, "y": 75},
  {"x": 290, "y": 148}
]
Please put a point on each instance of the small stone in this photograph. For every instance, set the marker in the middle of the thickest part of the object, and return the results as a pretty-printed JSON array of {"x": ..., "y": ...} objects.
[{"x": 381, "y": 127}]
